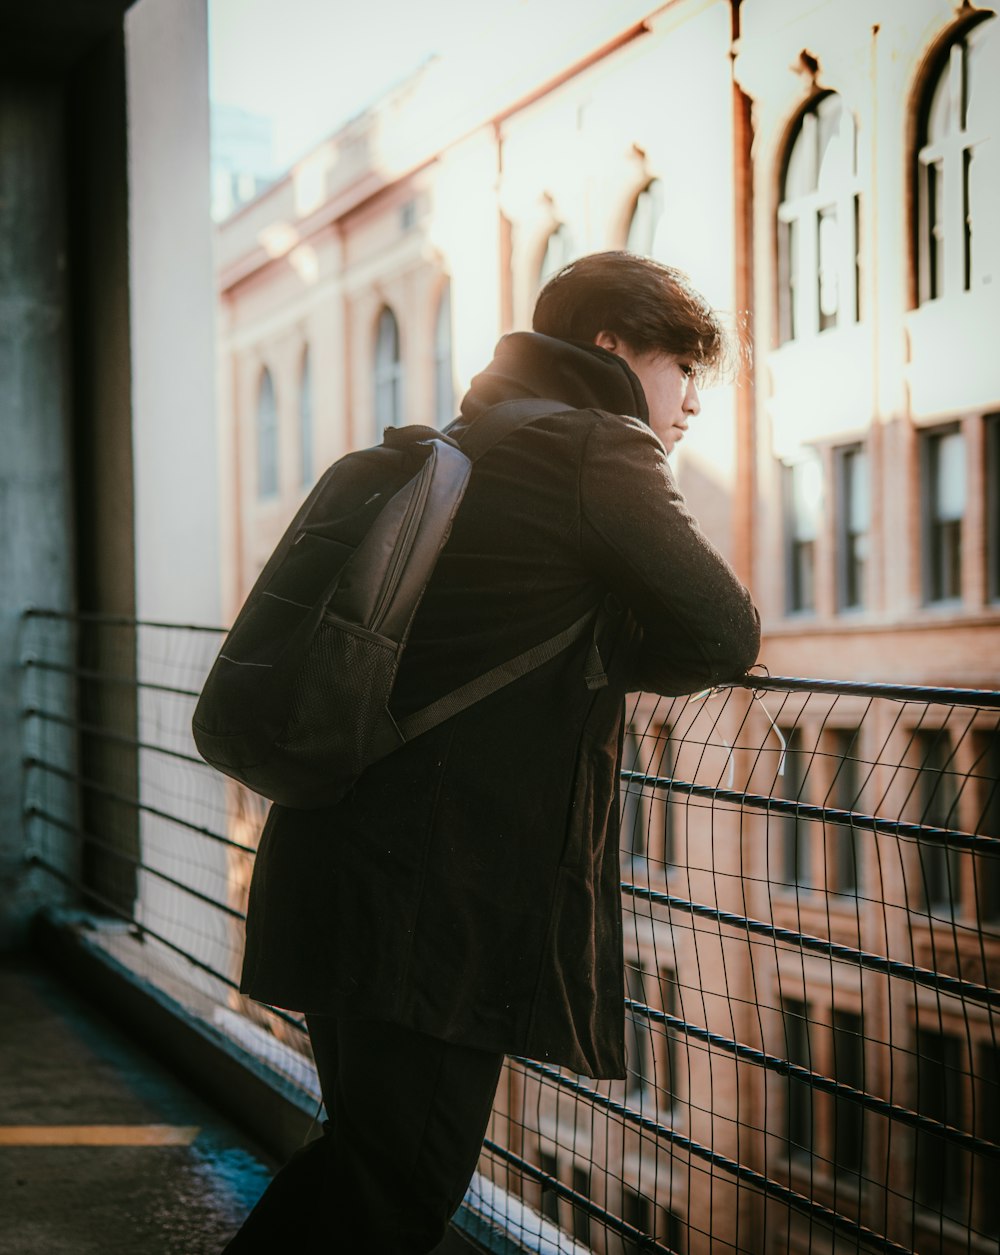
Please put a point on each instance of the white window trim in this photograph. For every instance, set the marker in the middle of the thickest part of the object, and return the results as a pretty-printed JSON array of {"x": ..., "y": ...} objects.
[{"x": 803, "y": 214}]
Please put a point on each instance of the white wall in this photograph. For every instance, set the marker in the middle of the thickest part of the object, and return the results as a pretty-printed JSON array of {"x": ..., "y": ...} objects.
[
  {"x": 173, "y": 318},
  {"x": 175, "y": 443}
]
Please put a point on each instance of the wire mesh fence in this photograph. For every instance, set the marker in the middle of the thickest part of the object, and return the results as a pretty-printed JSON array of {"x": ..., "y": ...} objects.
[{"x": 811, "y": 909}]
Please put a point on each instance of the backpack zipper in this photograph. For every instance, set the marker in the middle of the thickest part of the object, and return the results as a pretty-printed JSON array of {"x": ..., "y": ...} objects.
[{"x": 413, "y": 513}]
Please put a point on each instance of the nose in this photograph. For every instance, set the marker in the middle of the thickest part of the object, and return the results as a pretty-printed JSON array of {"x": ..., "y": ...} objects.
[{"x": 692, "y": 402}]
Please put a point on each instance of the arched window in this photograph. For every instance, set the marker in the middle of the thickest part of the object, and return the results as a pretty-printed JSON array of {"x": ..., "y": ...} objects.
[
  {"x": 388, "y": 372},
  {"x": 444, "y": 379},
  {"x": 267, "y": 438},
  {"x": 957, "y": 169},
  {"x": 645, "y": 228},
  {"x": 818, "y": 220},
  {"x": 558, "y": 253},
  {"x": 307, "y": 464}
]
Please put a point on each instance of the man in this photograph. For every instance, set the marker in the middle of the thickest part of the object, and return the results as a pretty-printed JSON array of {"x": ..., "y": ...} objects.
[{"x": 462, "y": 902}]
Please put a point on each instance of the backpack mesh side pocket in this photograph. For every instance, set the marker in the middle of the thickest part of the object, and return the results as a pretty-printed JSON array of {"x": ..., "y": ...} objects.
[{"x": 344, "y": 682}]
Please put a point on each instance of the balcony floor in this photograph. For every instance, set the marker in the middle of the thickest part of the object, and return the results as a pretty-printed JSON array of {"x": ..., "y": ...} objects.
[{"x": 167, "y": 1174}]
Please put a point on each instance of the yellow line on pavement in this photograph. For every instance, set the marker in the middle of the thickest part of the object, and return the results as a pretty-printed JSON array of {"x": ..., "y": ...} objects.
[{"x": 97, "y": 1134}]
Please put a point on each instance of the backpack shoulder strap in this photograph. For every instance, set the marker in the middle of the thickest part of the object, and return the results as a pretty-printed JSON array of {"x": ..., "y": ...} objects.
[
  {"x": 499, "y": 421},
  {"x": 393, "y": 733},
  {"x": 492, "y": 426},
  {"x": 499, "y": 677}
]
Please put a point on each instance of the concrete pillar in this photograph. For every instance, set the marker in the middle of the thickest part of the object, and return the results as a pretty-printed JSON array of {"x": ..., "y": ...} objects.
[{"x": 36, "y": 547}]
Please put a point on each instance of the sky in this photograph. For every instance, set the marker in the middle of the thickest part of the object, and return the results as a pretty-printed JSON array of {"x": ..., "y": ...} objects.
[{"x": 310, "y": 65}]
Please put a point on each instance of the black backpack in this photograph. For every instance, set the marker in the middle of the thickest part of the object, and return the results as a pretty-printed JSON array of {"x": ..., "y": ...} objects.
[{"x": 296, "y": 703}]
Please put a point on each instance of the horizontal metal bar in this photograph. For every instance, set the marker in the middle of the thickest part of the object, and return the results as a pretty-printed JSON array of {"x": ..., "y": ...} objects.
[
  {"x": 784, "y": 1067},
  {"x": 117, "y": 620},
  {"x": 937, "y": 981},
  {"x": 88, "y": 838},
  {"x": 808, "y": 1207},
  {"x": 103, "y": 734},
  {"x": 95, "y": 786},
  {"x": 36, "y": 860},
  {"x": 816, "y": 1080},
  {"x": 629, "y": 1231},
  {"x": 985, "y": 699},
  {"x": 107, "y": 677},
  {"x": 826, "y": 814}
]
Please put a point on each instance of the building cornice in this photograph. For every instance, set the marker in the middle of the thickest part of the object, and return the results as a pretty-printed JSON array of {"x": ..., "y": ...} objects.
[{"x": 379, "y": 178}]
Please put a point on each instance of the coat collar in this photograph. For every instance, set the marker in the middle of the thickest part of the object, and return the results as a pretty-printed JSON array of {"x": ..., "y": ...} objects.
[{"x": 527, "y": 364}]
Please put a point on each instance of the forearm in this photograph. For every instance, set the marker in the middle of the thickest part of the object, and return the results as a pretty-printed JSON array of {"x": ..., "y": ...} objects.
[{"x": 699, "y": 626}]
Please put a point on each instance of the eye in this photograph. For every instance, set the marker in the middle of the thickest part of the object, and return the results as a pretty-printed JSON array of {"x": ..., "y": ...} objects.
[{"x": 687, "y": 369}]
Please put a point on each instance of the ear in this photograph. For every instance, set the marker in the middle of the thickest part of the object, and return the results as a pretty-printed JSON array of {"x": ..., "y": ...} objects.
[{"x": 607, "y": 340}]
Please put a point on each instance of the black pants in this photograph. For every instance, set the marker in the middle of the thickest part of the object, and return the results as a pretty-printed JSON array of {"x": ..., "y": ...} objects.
[{"x": 407, "y": 1115}]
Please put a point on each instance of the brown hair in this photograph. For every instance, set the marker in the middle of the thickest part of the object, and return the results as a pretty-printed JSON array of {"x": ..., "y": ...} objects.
[{"x": 649, "y": 306}]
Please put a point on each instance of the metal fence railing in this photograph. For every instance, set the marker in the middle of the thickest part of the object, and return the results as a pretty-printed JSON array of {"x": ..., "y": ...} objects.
[{"x": 811, "y": 900}]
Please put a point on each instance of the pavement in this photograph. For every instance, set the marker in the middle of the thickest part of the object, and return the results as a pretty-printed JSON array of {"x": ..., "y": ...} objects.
[{"x": 102, "y": 1150}]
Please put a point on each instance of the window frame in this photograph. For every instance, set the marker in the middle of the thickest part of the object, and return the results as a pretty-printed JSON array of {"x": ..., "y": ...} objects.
[
  {"x": 666, "y": 1044},
  {"x": 928, "y": 519},
  {"x": 944, "y": 234},
  {"x": 846, "y": 538},
  {"x": 581, "y": 1221},
  {"x": 663, "y": 820},
  {"x": 987, "y": 1205},
  {"x": 640, "y": 1072},
  {"x": 633, "y": 811},
  {"x": 986, "y": 768},
  {"x": 648, "y": 825},
  {"x": 809, "y": 1114},
  {"x": 796, "y": 832},
  {"x": 268, "y": 441},
  {"x": 968, "y": 1097},
  {"x": 798, "y": 225},
  {"x": 991, "y": 448},
  {"x": 796, "y": 603},
  {"x": 938, "y": 798},
  {"x": 560, "y": 236},
  {"x": 307, "y": 434},
  {"x": 845, "y": 789},
  {"x": 939, "y": 1092},
  {"x": 655, "y": 194},
  {"x": 548, "y": 1162},
  {"x": 444, "y": 359},
  {"x": 847, "y": 1116},
  {"x": 799, "y": 1124},
  {"x": 639, "y": 1210},
  {"x": 387, "y": 371}
]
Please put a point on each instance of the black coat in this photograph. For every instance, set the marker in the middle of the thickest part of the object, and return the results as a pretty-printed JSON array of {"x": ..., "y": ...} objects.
[{"x": 468, "y": 885}]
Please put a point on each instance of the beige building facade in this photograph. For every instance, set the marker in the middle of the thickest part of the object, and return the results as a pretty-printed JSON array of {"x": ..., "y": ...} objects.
[
  {"x": 388, "y": 253},
  {"x": 829, "y": 174}
]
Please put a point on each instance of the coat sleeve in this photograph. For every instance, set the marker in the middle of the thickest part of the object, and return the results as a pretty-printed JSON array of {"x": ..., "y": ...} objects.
[{"x": 699, "y": 626}]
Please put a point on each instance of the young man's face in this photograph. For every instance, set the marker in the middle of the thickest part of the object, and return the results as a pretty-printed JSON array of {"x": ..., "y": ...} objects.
[{"x": 668, "y": 383}]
